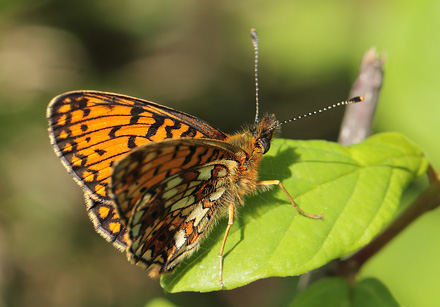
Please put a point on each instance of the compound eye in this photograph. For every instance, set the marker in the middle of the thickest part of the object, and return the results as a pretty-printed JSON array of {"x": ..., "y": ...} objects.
[{"x": 265, "y": 144}]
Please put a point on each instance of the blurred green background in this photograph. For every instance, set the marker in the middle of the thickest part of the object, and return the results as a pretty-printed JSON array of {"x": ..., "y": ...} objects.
[{"x": 196, "y": 56}]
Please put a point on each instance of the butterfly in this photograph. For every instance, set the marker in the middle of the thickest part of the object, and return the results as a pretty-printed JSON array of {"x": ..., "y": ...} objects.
[{"x": 156, "y": 180}]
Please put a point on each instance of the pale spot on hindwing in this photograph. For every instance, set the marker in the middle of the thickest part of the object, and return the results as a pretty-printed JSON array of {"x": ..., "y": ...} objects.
[
  {"x": 205, "y": 173},
  {"x": 173, "y": 182},
  {"x": 134, "y": 231},
  {"x": 180, "y": 238},
  {"x": 147, "y": 255},
  {"x": 136, "y": 218},
  {"x": 183, "y": 203},
  {"x": 197, "y": 214},
  {"x": 217, "y": 194}
]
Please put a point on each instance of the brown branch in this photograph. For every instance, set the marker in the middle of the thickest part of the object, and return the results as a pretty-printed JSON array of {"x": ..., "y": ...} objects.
[{"x": 356, "y": 125}]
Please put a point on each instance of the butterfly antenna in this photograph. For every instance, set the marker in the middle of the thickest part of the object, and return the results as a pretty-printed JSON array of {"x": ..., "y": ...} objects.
[
  {"x": 342, "y": 103},
  {"x": 254, "y": 36}
]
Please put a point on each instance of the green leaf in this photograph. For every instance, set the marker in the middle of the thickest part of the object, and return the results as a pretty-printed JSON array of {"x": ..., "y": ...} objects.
[
  {"x": 332, "y": 291},
  {"x": 371, "y": 292},
  {"x": 337, "y": 292},
  {"x": 357, "y": 189}
]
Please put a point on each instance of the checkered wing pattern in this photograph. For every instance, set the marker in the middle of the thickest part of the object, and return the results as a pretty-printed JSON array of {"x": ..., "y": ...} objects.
[{"x": 169, "y": 195}]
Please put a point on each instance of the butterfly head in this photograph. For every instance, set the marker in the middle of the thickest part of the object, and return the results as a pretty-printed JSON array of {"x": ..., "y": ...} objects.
[{"x": 263, "y": 131}]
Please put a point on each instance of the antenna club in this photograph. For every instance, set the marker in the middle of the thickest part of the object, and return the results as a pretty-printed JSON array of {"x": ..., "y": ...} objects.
[
  {"x": 254, "y": 34},
  {"x": 356, "y": 99}
]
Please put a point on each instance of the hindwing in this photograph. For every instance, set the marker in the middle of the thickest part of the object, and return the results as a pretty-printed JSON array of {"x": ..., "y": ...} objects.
[{"x": 169, "y": 194}]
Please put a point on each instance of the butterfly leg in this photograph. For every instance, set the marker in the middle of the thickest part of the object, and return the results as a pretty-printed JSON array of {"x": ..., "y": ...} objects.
[
  {"x": 220, "y": 256},
  {"x": 268, "y": 183}
]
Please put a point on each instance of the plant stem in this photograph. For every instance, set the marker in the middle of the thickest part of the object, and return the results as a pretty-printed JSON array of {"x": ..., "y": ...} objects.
[{"x": 356, "y": 125}]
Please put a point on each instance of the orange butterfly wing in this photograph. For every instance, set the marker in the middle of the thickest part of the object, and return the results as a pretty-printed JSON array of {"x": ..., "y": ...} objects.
[{"x": 91, "y": 130}]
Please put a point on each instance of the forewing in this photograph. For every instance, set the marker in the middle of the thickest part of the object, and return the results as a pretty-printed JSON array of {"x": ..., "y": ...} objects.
[{"x": 169, "y": 194}]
